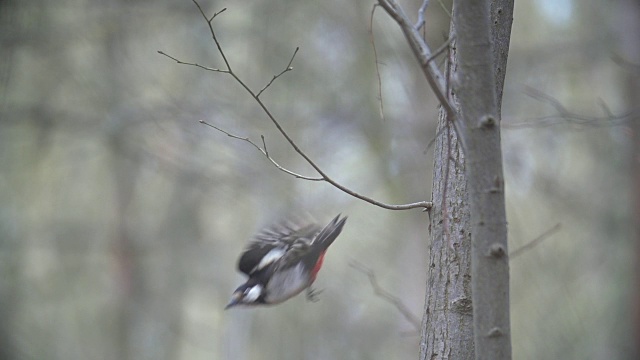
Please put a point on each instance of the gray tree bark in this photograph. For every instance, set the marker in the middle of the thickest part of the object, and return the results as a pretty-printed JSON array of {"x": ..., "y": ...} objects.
[
  {"x": 448, "y": 321},
  {"x": 480, "y": 131}
]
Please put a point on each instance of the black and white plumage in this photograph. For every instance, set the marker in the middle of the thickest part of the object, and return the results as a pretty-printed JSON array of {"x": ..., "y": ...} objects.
[{"x": 282, "y": 261}]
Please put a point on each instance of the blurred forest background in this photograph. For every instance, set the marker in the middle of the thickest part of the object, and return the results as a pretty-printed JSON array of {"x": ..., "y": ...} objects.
[{"x": 121, "y": 216}]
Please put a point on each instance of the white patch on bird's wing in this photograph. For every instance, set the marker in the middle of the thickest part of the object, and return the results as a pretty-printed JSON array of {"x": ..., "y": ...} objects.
[
  {"x": 286, "y": 284},
  {"x": 253, "y": 293},
  {"x": 273, "y": 255}
]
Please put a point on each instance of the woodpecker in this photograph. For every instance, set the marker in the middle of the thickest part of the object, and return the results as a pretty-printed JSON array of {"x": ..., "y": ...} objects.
[{"x": 282, "y": 261}]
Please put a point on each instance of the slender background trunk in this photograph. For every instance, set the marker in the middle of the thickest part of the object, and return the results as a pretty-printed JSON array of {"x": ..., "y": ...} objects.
[{"x": 629, "y": 52}]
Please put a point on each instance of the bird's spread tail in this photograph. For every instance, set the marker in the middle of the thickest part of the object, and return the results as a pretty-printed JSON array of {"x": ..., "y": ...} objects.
[{"x": 330, "y": 232}]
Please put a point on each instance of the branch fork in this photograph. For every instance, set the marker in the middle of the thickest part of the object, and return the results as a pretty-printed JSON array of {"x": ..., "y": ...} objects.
[{"x": 425, "y": 205}]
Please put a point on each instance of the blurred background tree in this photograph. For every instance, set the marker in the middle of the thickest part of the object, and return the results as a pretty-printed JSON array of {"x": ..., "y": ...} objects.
[{"x": 121, "y": 216}]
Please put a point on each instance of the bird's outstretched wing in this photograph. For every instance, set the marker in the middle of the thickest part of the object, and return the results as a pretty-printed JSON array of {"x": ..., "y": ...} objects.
[{"x": 275, "y": 245}]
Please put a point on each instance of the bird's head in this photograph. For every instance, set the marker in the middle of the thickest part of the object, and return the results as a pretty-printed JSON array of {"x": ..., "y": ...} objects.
[{"x": 247, "y": 294}]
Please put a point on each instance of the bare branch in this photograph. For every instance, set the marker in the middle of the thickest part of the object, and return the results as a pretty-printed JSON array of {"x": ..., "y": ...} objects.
[
  {"x": 563, "y": 114},
  {"x": 216, "y": 14},
  {"x": 420, "y": 23},
  {"x": 425, "y": 205},
  {"x": 531, "y": 244},
  {"x": 572, "y": 119},
  {"x": 444, "y": 8},
  {"x": 286, "y": 69},
  {"x": 264, "y": 152},
  {"x": 541, "y": 96},
  {"x": 264, "y": 145},
  {"x": 440, "y": 50},
  {"x": 605, "y": 108},
  {"x": 375, "y": 57},
  {"x": 626, "y": 64},
  {"x": 422, "y": 52},
  {"x": 192, "y": 64},
  {"x": 213, "y": 33},
  {"x": 379, "y": 291},
  {"x": 421, "y": 204}
]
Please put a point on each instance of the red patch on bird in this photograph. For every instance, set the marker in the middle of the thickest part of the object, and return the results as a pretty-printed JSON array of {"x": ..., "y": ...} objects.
[{"x": 317, "y": 267}]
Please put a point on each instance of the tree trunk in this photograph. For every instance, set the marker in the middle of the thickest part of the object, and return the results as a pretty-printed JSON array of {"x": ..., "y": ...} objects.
[
  {"x": 480, "y": 132},
  {"x": 447, "y": 325},
  {"x": 447, "y": 328}
]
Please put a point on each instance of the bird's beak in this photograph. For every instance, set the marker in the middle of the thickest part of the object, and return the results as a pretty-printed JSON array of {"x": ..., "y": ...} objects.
[
  {"x": 231, "y": 304},
  {"x": 235, "y": 300}
]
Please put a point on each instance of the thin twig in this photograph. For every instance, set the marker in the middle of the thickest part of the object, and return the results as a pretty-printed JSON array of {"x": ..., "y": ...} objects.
[
  {"x": 375, "y": 58},
  {"x": 264, "y": 145},
  {"x": 192, "y": 64},
  {"x": 264, "y": 152},
  {"x": 422, "y": 53},
  {"x": 571, "y": 119},
  {"x": 286, "y": 69},
  {"x": 441, "y": 49},
  {"x": 564, "y": 114},
  {"x": 625, "y": 64},
  {"x": 605, "y": 108},
  {"x": 458, "y": 126},
  {"x": 448, "y": 122},
  {"x": 425, "y": 205},
  {"x": 379, "y": 291},
  {"x": 213, "y": 33},
  {"x": 444, "y": 8},
  {"x": 541, "y": 96},
  {"x": 531, "y": 244},
  {"x": 216, "y": 14},
  {"x": 447, "y": 169},
  {"x": 420, "y": 23},
  {"x": 433, "y": 140}
]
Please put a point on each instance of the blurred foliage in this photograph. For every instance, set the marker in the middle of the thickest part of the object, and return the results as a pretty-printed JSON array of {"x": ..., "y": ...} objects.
[{"x": 121, "y": 216}]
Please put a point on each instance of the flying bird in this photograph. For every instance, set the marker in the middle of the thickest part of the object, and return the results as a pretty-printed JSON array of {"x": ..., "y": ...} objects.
[{"x": 282, "y": 261}]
